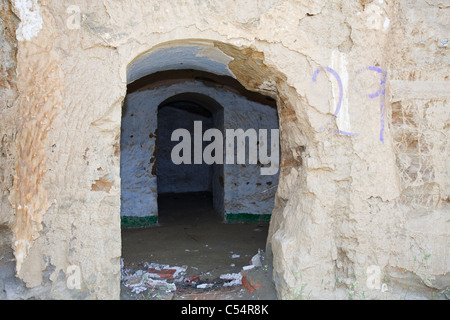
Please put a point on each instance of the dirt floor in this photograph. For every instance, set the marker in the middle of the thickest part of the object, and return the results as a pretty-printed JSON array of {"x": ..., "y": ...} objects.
[{"x": 193, "y": 254}]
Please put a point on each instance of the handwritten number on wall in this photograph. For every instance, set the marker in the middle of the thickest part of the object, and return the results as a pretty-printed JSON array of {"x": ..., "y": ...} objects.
[
  {"x": 380, "y": 93},
  {"x": 341, "y": 89}
]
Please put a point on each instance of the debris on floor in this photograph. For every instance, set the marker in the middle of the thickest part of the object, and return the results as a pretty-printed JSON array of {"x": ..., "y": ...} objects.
[
  {"x": 192, "y": 280},
  {"x": 235, "y": 279},
  {"x": 204, "y": 285},
  {"x": 153, "y": 276},
  {"x": 257, "y": 259},
  {"x": 160, "y": 281}
]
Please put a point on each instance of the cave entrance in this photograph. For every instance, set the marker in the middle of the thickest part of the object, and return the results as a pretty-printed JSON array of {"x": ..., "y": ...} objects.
[{"x": 192, "y": 223}]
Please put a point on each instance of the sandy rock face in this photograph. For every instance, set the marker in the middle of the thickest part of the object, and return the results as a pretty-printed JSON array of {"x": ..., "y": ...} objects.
[
  {"x": 362, "y": 91},
  {"x": 8, "y": 92}
]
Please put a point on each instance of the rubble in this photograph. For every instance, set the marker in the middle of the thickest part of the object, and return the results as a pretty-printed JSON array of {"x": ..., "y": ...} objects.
[
  {"x": 162, "y": 281},
  {"x": 150, "y": 277}
]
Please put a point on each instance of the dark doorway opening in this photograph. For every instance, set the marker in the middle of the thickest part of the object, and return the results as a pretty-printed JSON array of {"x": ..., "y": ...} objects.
[{"x": 198, "y": 180}]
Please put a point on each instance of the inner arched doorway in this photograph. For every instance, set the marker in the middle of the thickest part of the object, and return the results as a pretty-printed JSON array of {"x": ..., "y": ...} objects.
[{"x": 196, "y": 114}]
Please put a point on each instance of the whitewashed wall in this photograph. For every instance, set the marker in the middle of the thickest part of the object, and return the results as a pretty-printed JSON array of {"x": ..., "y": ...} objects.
[{"x": 245, "y": 190}]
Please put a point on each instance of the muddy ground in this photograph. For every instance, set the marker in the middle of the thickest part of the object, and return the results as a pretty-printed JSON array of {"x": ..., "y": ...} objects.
[{"x": 192, "y": 236}]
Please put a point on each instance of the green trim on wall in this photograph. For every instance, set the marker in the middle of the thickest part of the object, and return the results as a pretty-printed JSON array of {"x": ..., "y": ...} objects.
[
  {"x": 138, "y": 222},
  {"x": 247, "y": 217},
  {"x": 141, "y": 222}
]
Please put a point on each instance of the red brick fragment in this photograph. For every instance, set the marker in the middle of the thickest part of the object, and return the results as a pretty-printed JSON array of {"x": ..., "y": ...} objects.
[
  {"x": 248, "y": 283},
  {"x": 163, "y": 273}
]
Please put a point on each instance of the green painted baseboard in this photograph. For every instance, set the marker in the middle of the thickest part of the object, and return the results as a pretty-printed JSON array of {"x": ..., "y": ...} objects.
[
  {"x": 138, "y": 222},
  {"x": 247, "y": 217},
  {"x": 141, "y": 222}
]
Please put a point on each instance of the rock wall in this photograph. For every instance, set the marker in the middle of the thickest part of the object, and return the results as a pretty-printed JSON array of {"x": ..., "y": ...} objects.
[
  {"x": 8, "y": 109},
  {"x": 363, "y": 99},
  {"x": 419, "y": 95}
]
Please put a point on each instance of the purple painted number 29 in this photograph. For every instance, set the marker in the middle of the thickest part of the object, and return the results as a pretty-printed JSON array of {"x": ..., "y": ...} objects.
[{"x": 379, "y": 93}]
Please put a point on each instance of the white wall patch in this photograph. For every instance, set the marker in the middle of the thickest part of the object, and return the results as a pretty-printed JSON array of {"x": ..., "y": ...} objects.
[
  {"x": 339, "y": 64},
  {"x": 30, "y": 19}
]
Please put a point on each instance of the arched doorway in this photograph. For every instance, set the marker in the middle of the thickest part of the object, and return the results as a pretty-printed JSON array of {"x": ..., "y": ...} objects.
[
  {"x": 196, "y": 113},
  {"x": 196, "y": 101}
]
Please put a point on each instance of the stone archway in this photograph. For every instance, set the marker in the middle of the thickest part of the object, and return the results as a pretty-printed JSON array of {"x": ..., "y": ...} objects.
[
  {"x": 248, "y": 68},
  {"x": 100, "y": 152},
  {"x": 146, "y": 166}
]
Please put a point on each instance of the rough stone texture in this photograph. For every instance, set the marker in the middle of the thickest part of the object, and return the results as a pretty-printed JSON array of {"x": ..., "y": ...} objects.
[
  {"x": 8, "y": 94},
  {"x": 368, "y": 185}
]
